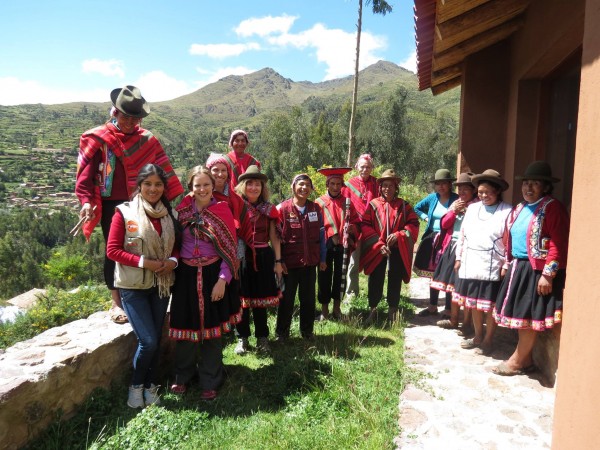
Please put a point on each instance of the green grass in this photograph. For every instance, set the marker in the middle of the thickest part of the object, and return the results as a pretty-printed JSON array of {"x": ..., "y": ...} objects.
[{"x": 338, "y": 392}]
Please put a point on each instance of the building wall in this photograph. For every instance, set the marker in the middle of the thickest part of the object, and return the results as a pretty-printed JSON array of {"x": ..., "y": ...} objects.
[{"x": 577, "y": 407}]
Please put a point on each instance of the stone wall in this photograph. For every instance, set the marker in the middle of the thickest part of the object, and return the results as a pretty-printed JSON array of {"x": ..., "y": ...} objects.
[{"x": 57, "y": 371}]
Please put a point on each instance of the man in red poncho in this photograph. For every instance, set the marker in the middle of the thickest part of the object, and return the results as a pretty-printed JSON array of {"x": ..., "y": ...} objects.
[
  {"x": 110, "y": 157},
  {"x": 388, "y": 231},
  {"x": 341, "y": 229}
]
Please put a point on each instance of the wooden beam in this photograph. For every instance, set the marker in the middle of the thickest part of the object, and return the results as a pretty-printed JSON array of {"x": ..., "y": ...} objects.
[
  {"x": 448, "y": 9},
  {"x": 477, "y": 21},
  {"x": 441, "y": 76},
  {"x": 443, "y": 87},
  {"x": 459, "y": 52}
]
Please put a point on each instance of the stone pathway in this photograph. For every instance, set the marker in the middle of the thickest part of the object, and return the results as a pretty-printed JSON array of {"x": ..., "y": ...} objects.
[{"x": 459, "y": 403}]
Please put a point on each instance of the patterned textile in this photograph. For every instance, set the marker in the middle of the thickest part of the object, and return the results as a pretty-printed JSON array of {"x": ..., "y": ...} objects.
[
  {"x": 213, "y": 223},
  {"x": 133, "y": 151},
  {"x": 239, "y": 165},
  {"x": 334, "y": 216},
  {"x": 382, "y": 219},
  {"x": 361, "y": 192},
  {"x": 254, "y": 225}
]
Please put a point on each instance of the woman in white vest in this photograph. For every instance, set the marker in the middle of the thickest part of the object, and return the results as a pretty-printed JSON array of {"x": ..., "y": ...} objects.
[
  {"x": 480, "y": 256},
  {"x": 142, "y": 242}
]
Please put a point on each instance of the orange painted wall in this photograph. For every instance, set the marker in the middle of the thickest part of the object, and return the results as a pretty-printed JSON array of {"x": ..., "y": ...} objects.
[{"x": 577, "y": 407}]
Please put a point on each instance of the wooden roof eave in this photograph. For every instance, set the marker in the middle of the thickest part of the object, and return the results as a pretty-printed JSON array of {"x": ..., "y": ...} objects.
[
  {"x": 459, "y": 52},
  {"x": 486, "y": 17}
]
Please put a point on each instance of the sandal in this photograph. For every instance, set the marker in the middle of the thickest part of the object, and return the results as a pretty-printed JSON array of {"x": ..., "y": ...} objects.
[
  {"x": 485, "y": 351},
  {"x": 505, "y": 371},
  {"x": 447, "y": 324},
  {"x": 117, "y": 315},
  {"x": 469, "y": 344},
  {"x": 426, "y": 312},
  {"x": 208, "y": 395},
  {"x": 178, "y": 389}
]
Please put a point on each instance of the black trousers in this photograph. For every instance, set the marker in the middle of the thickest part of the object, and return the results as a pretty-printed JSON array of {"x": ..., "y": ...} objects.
[
  {"x": 204, "y": 358},
  {"x": 330, "y": 280},
  {"x": 302, "y": 279},
  {"x": 394, "y": 279},
  {"x": 261, "y": 329}
]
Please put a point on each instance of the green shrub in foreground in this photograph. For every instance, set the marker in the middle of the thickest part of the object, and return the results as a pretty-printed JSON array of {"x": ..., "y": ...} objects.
[{"x": 55, "y": 308}]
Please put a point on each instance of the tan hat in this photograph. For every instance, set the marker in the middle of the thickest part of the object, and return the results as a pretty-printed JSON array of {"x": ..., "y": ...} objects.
[
  {"x": 442, "y": 175},
  {"x": 464, "y": 178},
  {"x": 492, "y": 176},
  {"x": 129, "y": 101},
  {"x": 538, "y": 170},
  {"x": 389, "y": 174},
  {"x": 252, "y": 173}
]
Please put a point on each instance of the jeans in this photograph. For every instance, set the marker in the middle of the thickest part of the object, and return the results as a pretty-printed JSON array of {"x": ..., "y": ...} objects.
[{"x": 146, "y": 313}]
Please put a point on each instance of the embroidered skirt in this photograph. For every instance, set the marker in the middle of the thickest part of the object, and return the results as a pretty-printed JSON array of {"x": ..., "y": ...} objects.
[
  {"x": 425, "y": 262},
  {"x": 258, "y": 287},
  {"x": 188, "y": 309},
  {"x": 520, "y": 306},
  {"x": 444, "y": 276},
  {"x": 476, "y": 294}
]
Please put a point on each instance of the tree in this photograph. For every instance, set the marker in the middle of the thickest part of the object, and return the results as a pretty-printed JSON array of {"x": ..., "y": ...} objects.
[{"x": 379, "y": 7}]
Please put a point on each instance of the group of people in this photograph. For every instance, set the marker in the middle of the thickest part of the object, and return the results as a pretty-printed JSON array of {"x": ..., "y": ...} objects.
[
  {"x": 505, "y": 266},
  {"x": 225, "y": 254}
]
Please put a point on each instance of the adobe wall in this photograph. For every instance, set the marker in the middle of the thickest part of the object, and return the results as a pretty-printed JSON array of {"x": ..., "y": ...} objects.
[
  {"x": 577, "y": 404},
  {"x": 500, "y": 112}
]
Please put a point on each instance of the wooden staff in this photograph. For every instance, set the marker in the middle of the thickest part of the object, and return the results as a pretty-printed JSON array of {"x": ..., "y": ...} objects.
[
  {"x": 77, "y": 228},
  {"x": 346, "y": 258}
]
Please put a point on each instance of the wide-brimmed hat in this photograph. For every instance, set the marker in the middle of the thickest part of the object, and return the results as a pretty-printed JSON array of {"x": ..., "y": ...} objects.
[
  {"x": 538, "y": 170},
  {"x": 129, "y": 101},
  {"x": 252, "y": 173},
  {"x": 464, "y": 178},
  {"x": 492, "y": 176},
  {"x": 442, "y": 175},
  {"x": 389, "y": 174},
  {"x": 334, "y": 172}
]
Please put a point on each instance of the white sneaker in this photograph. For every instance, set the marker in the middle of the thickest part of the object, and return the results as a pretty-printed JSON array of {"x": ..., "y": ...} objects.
[
  {"x": 262, "y": 345},
  {"x": 136, "y": 396},
  {"x": 151, "y": 396},
  {"x": 242, "y": 346}
]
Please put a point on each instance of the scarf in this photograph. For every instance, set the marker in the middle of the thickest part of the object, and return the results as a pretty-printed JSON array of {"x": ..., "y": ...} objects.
[{"x": 157, "y": 246}]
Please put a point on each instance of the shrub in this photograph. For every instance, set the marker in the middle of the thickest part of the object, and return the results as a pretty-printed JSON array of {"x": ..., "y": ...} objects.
[{"x": 55, "y": 308}]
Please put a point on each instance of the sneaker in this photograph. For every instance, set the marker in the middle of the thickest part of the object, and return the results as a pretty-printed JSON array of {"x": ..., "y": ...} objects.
[
  {"x": 151, "y": 396},
  {"x": 242, "y": 346},
  {"x": 262, "y": 345},
  {"x": 136, "y": 396}
]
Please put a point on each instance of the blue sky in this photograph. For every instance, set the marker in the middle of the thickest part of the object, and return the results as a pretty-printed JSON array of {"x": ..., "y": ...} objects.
[{"x": 79, "y": 50}]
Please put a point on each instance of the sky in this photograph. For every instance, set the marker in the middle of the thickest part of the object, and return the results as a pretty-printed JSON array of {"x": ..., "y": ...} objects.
[{"x": 60, "y": 51}]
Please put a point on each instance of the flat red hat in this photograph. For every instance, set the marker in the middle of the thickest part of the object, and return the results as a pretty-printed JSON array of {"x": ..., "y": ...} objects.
[{"x": 331, "y": 172}]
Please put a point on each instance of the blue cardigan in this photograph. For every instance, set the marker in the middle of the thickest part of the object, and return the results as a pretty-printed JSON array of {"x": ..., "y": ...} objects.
[{"x": 425, "y": 207}]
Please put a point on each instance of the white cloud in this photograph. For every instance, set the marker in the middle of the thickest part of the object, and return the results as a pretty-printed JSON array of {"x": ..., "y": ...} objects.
[
  {"x": 220, "y": 51},
  {"x": 14, "y": 91},
  {"x": 334, "y": 47},
  {"x": 108, "y": 68},
  {"x": 265, "y": 26},
  {"x": 157, "y": 86},
  {"x": 410, "y": 63}
]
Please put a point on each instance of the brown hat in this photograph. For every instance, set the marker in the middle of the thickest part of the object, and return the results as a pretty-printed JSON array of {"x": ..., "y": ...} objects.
[
  {"x": 464, "y": 178},
  {"x": 538, "y": 170},
  {"x": 389, "y": 174},
  {"x": 252, "y": 173},
  {"x": 492, "y": 176},
  {"x": 129, "y": 101},
  {"x": 442, "y": 175}
]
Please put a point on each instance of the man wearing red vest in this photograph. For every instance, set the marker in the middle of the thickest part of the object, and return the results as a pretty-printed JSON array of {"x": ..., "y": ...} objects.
[{"x": 302, "y": 249}]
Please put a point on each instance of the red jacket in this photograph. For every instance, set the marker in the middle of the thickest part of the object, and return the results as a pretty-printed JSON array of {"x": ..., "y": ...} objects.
[
  {"x": 300, "y": 234},
  {"x": 334, "y": 217},
  {"x": 547, "y": 235}
]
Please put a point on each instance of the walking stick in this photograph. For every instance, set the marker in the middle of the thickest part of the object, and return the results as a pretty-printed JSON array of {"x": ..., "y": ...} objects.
[{"x": 346, "y": 258}]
